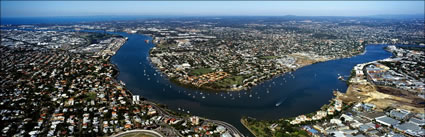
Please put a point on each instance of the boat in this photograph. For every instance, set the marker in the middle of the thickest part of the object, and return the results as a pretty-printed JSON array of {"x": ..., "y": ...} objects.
[
  {"x": 280, "y": 102},
  {"x": 122, "y": 83},
  {"x": 341, "y": 78},
  {"x": 147, "y": 41}
]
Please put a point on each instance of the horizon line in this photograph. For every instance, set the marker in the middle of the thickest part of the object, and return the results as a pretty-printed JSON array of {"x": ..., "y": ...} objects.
[{"x": 414, "y": 14}]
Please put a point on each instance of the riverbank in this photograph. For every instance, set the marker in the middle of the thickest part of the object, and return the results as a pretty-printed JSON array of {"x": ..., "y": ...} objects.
[
  {"x": 245, "y": 124},
  {"x": 292, "y": 126},
  {"x": 115, "y": 75},
  {"x": 272, "y": 128},
  {"x": 116, "y": 69}
]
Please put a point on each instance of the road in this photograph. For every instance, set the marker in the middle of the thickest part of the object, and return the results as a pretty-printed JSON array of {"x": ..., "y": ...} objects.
[
  {"x": 232, "y": 130},
  {"x": 151, "y": 132}
]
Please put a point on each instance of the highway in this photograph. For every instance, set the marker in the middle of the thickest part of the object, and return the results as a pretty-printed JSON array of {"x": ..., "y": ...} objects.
[
  {"x": 150, "y": 132},
  {"x": 232, "y": 130}
]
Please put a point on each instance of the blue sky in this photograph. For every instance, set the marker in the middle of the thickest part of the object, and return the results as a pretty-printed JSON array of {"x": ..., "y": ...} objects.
[{"x": 208, "y": 8}]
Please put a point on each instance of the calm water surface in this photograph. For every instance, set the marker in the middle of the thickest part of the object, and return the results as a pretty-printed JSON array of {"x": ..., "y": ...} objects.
[{"x": 303, "y": 91}]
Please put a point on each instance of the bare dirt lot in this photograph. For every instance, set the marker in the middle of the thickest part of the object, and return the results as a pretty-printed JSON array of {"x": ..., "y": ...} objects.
[{"x": 382, "y": 97}]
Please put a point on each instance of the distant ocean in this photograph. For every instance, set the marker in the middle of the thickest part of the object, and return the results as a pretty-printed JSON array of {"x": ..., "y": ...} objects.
[{"x": 67, "y": 20}]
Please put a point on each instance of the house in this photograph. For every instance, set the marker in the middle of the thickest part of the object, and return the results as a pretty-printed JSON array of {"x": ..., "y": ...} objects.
[
  {"x": 226, "y": 134},
  {"x": 347, "y": 117},
  {"x": 399, "y": 114},
  {"x": 410, "y": 129},
  {"x": 419, "y": 122},
  {"x": 365, "y": 128},
  {"x": 331, "y": 110},
  {"x": 387, "y": 121},
  {"x": 368, "y": 107},
  {"x": 311, "y": 131},
  {"x": 194, "y": 120}
]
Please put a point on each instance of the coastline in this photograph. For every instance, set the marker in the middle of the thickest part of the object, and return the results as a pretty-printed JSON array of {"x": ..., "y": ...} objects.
[
  {"x": 244, "y": 123},
  {"x": 115, "y": 67},
  {"x": 286, "y": 121}
]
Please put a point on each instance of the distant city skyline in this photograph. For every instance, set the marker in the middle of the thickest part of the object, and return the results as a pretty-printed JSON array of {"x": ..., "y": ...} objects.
[{"x": 208, "y": 8}]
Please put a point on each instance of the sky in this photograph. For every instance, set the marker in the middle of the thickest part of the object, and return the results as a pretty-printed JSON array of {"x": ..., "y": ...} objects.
[{"x": 208, "y": 8}]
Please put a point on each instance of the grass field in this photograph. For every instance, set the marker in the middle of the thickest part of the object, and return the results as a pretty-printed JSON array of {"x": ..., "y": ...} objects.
[
  {"x": 91, "y": 96},
  {"x": 200, "y": 71},
  {"x": 268, "y": 57},
  {"x": 261, "y": 128},
  {"x": 165, "y": 45},
  {"x": 229, "y": 81}
]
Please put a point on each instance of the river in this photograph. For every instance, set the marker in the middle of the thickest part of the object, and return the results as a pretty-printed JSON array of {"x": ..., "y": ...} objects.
[{"x": 302, "y": 91}]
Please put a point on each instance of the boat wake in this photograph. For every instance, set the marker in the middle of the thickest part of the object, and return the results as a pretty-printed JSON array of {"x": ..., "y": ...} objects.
[{"x": 280, "y": 102}]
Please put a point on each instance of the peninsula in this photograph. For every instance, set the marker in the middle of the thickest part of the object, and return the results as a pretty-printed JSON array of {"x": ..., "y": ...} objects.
[{"x": 224, "y": 56}]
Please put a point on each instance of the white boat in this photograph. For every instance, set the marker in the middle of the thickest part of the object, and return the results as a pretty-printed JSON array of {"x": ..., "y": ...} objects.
[
  {"x": 122, "y": 83},
  {"x": 340, "y": 77},
  {"x": 280, "y": 102}
]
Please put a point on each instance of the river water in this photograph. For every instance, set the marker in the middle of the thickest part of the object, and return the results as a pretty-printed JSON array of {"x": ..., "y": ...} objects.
[{"x": 302, "y": 91}]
